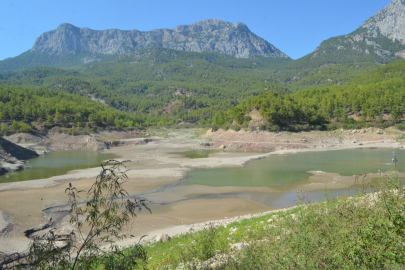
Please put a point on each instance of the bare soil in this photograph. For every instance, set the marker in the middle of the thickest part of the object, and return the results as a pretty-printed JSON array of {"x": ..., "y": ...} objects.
[{"x": 155, "y": 174}]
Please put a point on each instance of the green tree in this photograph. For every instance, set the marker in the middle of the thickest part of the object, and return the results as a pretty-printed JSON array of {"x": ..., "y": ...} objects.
[{"x": 98, "y": 221}]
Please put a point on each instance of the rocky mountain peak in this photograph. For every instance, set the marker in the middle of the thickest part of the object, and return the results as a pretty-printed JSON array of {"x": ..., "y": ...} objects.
[
  {"x": 389, "y": 22},
  {"x": 379, "y": 39},
  {"x": 209, "y": 25},
  {"x": 241, "y": 27},
  {"x": 212, "y": 35}
]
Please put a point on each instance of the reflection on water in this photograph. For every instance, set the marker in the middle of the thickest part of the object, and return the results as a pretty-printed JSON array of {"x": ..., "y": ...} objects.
[
  {"x": 57, "y": 163},
  {"x": 283, "y": 169}
]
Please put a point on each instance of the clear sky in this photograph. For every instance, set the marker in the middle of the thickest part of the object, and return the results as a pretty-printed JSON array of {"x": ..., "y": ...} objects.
[{"x": 296, "y": 27}]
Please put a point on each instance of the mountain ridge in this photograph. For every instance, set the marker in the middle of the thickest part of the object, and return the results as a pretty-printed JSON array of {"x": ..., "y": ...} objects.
[
  {"x": 203, "y": 36},
  {"x": 380, "y": 39}
]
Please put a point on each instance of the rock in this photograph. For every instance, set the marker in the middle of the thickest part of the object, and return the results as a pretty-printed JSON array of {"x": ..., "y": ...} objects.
[
  {"x": 388, "y": 24},
  {"x": 161, "y": 238},
  {"x": 204, "y": 36},
  {"x": 222, "y": 147},
  {"x": 270, "y": 221},
  {"x": 238, "y": 246},
  {"x": 205, "y": 144},
  {"x": 232, "y": 230}
]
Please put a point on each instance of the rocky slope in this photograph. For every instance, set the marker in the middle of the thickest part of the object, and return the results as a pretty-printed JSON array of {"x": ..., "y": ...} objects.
[
  {"x": 203, "y": 36},
  {"x": 379, "y": 39},
  {"x": 69, "y": 45},
  {"x": 12, "y": 156}
]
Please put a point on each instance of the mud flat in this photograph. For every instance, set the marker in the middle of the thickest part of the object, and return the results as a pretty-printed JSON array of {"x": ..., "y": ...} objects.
[{"x": 155, "y": 174}]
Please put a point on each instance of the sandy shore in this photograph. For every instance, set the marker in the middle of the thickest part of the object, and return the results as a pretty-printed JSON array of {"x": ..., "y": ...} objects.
[{"x": 154, "y": 175}]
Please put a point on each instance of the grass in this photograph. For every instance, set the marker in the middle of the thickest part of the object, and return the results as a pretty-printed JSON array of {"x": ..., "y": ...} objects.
[
  {"x": 205, "y": 244},
  {"x": 402, "y": 137},
  {"x": 366, "y": 231},
  {"x": 362, "y": 232}
]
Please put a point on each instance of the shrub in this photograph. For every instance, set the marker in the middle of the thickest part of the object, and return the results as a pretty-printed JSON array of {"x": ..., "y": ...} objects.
[
  {"x": 247, "y": 118},
  {"x": 400, "y": 126},
  {"x": 98, "y": 221},
  {"x": 363, "y": 232},
  {"x": 262, "y": 127},
  {"x": 235, "y": 127},
  {"x": 274, "y": 128}
]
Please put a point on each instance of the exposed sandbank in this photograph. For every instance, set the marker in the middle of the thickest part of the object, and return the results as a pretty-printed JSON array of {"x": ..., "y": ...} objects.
[{"x": 153, "y": 174}]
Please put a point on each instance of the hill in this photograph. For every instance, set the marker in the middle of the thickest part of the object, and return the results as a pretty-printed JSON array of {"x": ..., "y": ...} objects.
[
  {"x": 380, "y": 39},
  {"x": 164, "y": 84},
  {"x": 373, "y": 98},
  {"x": 69, "y": 45},
  {"x": 21, "y": 107}
]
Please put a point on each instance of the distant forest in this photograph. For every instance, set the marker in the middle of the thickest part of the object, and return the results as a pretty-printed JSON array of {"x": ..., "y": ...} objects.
[{"x": 163, "y": 87}]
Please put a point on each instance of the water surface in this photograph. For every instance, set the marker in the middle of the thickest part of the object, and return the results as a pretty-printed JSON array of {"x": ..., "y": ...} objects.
[
  {"x": 57, "y": 163},
  {"x": 284, "y": 169}
]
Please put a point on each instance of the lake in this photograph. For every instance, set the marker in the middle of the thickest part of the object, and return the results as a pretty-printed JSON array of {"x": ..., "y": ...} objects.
[
  {"x": 283, "y": 169},
  {"x": 57, "y": 163}
]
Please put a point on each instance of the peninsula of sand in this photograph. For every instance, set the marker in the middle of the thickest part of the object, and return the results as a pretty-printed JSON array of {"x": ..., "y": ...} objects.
[{"x": 156, "y": 172}]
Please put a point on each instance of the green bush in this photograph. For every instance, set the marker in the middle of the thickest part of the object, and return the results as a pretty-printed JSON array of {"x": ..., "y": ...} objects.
[
  {"x": 262, "y": 127},
  {"x": 235, "y": 127},
  {"x": 364, "y": 232},
  {"x": 214, "y": 128},
  {"x": 99, "y": 220},
  {"x": 273, "y": 128},
  {"x": 400, "y": 126}
]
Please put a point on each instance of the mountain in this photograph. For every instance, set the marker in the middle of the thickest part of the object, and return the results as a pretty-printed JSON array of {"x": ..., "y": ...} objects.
[
  {"x": 160, "y": 82},
  {"x": 70, "y": 45},
  {"x": 380, "y": 39}
]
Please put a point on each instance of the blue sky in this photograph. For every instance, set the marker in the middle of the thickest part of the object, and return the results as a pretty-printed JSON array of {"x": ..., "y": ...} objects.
[{"x": 296, "y": 27}]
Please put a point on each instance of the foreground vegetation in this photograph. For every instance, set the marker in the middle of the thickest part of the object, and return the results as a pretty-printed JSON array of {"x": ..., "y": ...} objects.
[
  {"x": 362, "y": 232},
  {"x": 97, "y": 222}
]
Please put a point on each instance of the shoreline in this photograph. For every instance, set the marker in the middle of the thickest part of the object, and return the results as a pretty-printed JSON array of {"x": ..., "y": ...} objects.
[
  {"x": 93, "y": 172},
  {"x": 153, "y": 167}
]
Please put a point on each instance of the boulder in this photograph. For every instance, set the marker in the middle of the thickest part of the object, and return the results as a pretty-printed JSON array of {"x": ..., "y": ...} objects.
[{"x": 161, "y": 238}]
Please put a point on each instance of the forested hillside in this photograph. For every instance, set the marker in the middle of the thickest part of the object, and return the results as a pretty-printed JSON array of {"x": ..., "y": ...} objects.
[
  {"x": 167, "y": 86},
  {"x": 22, "y": 106},
  {"x": 371, "y": 98}
]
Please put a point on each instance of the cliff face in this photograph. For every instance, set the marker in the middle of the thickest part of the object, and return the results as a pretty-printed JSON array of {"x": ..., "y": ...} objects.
[
  {"x": 380, "y": 39},
  {"x": 211, "y": 35},
  {"x": 388, "y": 22}
]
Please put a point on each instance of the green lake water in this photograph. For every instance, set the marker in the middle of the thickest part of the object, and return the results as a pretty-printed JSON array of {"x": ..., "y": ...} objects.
[
  {"x": 283, "y": 169},
  {"x": 57, "y": 163}
]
